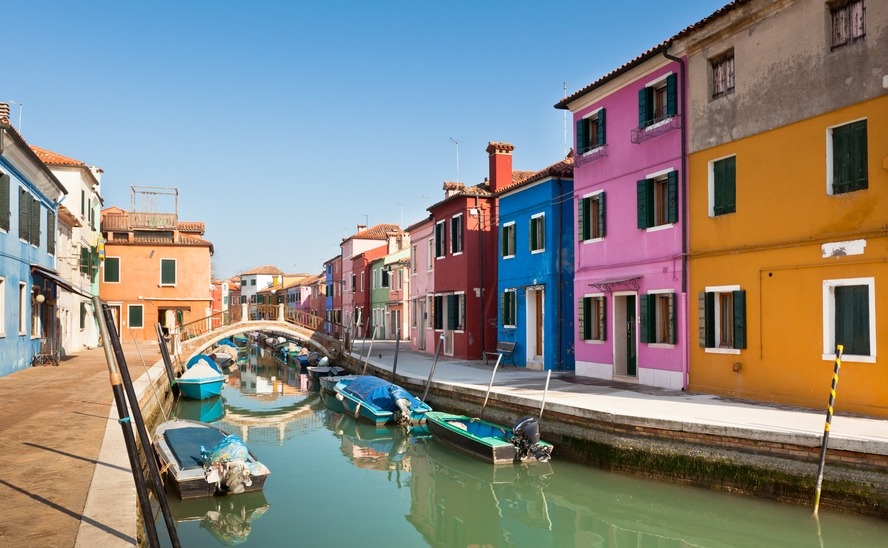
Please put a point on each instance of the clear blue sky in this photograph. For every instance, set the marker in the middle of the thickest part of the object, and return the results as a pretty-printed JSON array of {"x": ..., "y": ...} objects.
[{"x": 284, "y": 124}]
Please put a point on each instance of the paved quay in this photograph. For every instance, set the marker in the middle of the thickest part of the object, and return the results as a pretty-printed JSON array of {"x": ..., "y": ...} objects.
[{"x": 65, "y": 479}]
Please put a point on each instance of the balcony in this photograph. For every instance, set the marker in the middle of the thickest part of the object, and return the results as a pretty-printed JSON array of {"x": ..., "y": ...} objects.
[{"x": 665, "y": 125}]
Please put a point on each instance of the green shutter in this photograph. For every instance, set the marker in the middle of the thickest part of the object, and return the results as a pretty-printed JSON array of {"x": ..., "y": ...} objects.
[
  {"x": 35, "y": 221},
  {"x": 724, "y": 183},
  {"x": 582, "y": 314},
  {"x": 582, "y": 207},
  {"x": 50, "y": 232},
  {"x": 533, "y": 235},
  {"x": 135, "y": 316},
  {"x": 581, "y": 136},
  {"x": 168, "y": 271},
  {"x": 603, "y": 312},
  {"x": 4, "y": 201},
  {"x": 671, "y": 95},
  {"x": 602, "y": 135},
  {"x": 673, "y": 320},
  {"x": 24, "y": 215},
  {"x": 852, "y": 319},
  {"x": 643, "y": 102},
  {"x": 708, "y": 319},
  {"x": 672, "y": 197},
  {"x": 84, "y": 260},
  {"x": 859, "y": 179},
  {"x": 739, "y": 298},
  {"x": 647, "y": 317},
  {"x": 112, "y": 269},
  {"x": 645, "y": 200},
  {"x": 601, "y": 216},
  {"x": 452, "y": 311},
  {"x": 82, "y": 315}
]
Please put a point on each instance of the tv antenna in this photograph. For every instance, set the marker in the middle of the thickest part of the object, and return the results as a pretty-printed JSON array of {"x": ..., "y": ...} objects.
[{"x": 455, "y": 142}]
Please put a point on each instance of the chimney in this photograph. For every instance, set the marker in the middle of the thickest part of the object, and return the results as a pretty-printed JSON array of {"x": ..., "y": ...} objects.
[
  {"x": 452, "y": 187},
  {"x": 361, "y": 227},
  {"x": 500, "y": 165}
]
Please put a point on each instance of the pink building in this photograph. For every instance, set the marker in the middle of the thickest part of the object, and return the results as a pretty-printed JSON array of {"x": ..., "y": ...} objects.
[
  {"x": 630, "y": 280},
  {"x": 422, "y": 283}
]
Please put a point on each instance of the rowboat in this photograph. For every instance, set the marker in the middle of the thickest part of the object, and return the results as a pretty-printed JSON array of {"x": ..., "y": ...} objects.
[
  {"x": 379, "y": 401},
  {"x": 489, "y": 441},
  {"x": 202, "y": 379},
  {"x": 200, "y": 460}
]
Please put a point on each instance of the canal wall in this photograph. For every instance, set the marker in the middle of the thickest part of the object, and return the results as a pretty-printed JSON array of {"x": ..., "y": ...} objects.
[{"x": 770, "y": 464}]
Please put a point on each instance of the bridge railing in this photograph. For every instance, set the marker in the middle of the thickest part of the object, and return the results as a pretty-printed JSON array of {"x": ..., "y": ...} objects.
[{"x": 261, "y": 312}]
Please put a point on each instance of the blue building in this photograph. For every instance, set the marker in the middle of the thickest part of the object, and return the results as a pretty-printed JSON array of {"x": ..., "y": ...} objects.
[
  {"x": 535, "y": 268},
  {"x": 29, "y": 199}
]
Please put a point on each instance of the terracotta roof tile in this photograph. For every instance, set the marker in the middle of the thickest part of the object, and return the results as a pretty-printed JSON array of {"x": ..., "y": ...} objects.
[
  {"x": 564, "y": 168},
  {"x": 264, "y": 269},
  {"x": 378, "y": 232},
  {"x": 51, "y": 158}
]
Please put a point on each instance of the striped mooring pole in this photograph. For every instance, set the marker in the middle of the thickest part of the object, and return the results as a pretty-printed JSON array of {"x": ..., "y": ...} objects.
[{"x": 829, "y": 414}]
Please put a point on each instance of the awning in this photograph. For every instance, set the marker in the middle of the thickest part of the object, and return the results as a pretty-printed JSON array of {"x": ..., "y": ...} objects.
[
  {"x": 611, "y": 284},
  {"x": 54, "y": 277}
]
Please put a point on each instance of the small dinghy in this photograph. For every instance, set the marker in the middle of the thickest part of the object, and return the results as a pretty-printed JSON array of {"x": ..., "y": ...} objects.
[
  {"x": 200, "y": 460},
  {"x": 489, "y": 441}
]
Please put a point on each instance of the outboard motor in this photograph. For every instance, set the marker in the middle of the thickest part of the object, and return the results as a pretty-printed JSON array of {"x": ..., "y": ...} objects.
[
  {"x": 313, "y": 358},
  {"x": 526, "y": 437},
  {"x": 404, "y": 415}
]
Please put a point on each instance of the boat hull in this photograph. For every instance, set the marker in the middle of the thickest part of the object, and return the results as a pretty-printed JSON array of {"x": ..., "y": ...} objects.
[
  {"x": 201, "y": 389},
  {"x": 482, "y": 439},
  {"x": 371, "y": 410},
  {"x": 177, "y": 445}
]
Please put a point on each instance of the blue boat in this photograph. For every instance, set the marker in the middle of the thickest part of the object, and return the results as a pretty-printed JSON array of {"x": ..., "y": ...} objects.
[
  {"x": 202, "y": 380},
  {"x": 379, "y": 401}
]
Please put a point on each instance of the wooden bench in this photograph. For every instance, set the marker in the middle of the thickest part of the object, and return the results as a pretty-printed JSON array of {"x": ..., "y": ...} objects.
[{"x": 505, "y": 348}]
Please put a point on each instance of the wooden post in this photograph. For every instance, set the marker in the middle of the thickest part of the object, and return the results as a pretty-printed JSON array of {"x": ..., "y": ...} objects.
[
  {"x": 123, "y": 418},
  {"x": 826, "y": 427}
]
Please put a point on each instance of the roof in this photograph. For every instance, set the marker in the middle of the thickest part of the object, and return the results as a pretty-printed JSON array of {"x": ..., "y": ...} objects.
[
  {"x": 654, "y": 51},
  {"x": 51, "y": 158},
  {"x": 563, "y": 169},
  {"x": 378, "y": 232},
  {"x": 264, "y": 269}
]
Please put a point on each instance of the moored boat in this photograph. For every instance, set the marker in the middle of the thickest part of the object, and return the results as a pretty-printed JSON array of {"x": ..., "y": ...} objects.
[
  {"x": 315, "y": 373},
  {"x": 489, "y": 441},
  {"x": 202, "y": 380},
  {"x": 379, "y": 401},
  {"x": 200, "y": 460},
  {"x": 328, "y": 384}
]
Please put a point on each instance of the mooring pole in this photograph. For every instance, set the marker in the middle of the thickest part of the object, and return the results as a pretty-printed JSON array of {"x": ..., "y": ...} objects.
[
  {"x": 124, "y": 419},
  {"x": 499, "y": 358},
  {"x": 826, "y": 427},
  {"x": 545, "y": 391},
  {"x": 397, "y": 348},
  {"x": 432, "y": 370},
  {"x": 369, "y": 350},
  {"x": 153, "y": 471},
  {"x": 167, "y": 361}
]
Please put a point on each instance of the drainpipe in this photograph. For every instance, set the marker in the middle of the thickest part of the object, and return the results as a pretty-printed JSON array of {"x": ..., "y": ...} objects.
[
  {"x": 684, "y": 203},
  {"x": 481, "y": 273}
]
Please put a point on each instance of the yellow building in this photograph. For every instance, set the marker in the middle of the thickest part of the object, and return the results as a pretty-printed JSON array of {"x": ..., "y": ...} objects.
[{"x": 788, "y": 203}]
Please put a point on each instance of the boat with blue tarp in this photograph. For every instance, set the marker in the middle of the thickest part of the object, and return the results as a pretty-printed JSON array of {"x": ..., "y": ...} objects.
[{"x": 379, "y": 401}]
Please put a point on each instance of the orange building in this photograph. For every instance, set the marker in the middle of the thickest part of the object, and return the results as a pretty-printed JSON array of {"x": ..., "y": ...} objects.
[{"x": 156, "y": 270}]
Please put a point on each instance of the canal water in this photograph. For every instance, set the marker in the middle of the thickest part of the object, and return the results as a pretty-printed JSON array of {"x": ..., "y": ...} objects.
[{"x": 337, "y": 482}]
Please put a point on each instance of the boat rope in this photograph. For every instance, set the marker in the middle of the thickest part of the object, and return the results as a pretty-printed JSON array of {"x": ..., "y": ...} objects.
[{"x": 124, "y": 419}]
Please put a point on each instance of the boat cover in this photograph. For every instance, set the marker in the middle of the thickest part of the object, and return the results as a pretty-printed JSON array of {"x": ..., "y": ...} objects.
[
  {"x": 202, "y": 358},
  {"x": 380, "y": 393}
]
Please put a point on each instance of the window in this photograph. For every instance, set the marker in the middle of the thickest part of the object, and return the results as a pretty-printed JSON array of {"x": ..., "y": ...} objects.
[
  {"x": 723, "y": 75},
  {"x": 658, "y": 318},
  {"x": 591, "y": 132},
  {"x": 253, "y": 281},
  {"x": 537, "y": 233},
  {"x": 36, "y": 318},
  {"x": 112, "y": 270},
  {"x": 413, "y": 257},
  {"x": 456, "y": 234},
  {"x": 456, "y": 312},
  {"x": 384, "y": 274},
  {"x": 723, "y": 318},
  {"x": 592, "y": 318},
  {"x": 847, "y": 154},
  {"x": 849, "y": 318},
  {"x": 4, "y": 201},
  {"x": 168, "y": 272},
  {"x": 354, "y": 282},
  {"x": 440, "y": 239},
  {"x": 723, "y": 186},
  {"x": 50, "y": 232},
  {"x": 508, "y": 308},
  {"x": 361, "y": 276},
  {"x": 82, "y": 203},
  {"x": 438, "y": 312},
  {"x": 134, "y": 314},
  {"x": 848, "y": 22},
  {"x": 508, "y": 240},
  {"x": 431, "y": 255},
  {"x": 590, "y": 218},
  {"x": 657, "y": 101},
  {"x": 82, "y": 315},
  {"x": 29, "y": 217},
  {"x": 658, "y": 200}
]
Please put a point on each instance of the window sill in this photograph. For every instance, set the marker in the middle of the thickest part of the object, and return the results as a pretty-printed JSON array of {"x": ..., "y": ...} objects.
[
  {"x": 733, "y": 351},
  {"x": 850, "y": 358}
]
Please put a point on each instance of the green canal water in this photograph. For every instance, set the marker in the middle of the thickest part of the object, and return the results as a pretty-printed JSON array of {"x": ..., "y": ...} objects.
[{"x": 340, "y": 483}]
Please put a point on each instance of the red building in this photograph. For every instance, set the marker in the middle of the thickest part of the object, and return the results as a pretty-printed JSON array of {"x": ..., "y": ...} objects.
[
  {"x": 360, "y": 293},
  {"x": 464, "y": 305}
]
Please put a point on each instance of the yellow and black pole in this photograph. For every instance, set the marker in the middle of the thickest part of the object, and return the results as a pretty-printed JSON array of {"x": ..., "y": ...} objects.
[{"x": 826, "y": 427}]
